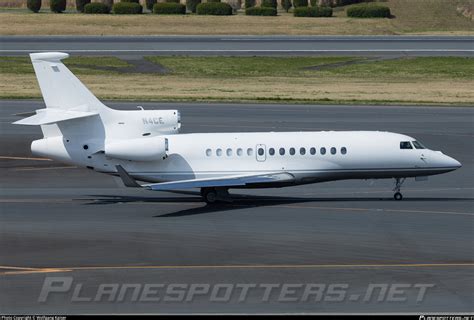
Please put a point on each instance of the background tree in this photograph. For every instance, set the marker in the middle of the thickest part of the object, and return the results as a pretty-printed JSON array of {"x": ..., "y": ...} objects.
[
  {"x": 108, "y": 3},
  {"x": 192, "y": 4},
  {"x": 57, "y": 6},
  {"x": 150, "y": 3},
  {"x": 34, "y": 5},
  {"x": 286, "y": 4},
  {"x": 80, "y": 5},
  {"x": 249, "y": 3},
  {"x": 269, "y": 3}
]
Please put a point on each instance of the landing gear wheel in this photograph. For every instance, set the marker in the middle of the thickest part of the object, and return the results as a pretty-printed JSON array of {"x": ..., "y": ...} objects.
[
  {"x": 398, "y": 185},
  {"x": 398, "y": 196},
  {"x": 209, "y": 195}
]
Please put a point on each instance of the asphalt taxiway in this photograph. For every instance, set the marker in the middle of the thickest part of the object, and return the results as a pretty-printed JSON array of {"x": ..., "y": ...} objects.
[
  {"x": 241, "y": 45},
  {"x": 61, "y": 221}
]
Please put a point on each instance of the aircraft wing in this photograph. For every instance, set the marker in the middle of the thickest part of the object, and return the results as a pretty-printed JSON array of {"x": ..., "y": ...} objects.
[{"x": 225, "y": 181}]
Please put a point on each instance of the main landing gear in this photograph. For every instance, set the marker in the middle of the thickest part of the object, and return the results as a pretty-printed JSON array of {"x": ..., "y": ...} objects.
[
  {"x": 398, "y": 185},
  {"x": 213, "y": 195}
]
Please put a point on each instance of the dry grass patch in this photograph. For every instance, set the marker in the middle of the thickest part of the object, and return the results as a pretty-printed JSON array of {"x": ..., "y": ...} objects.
[
  {"x": 148, "y": 24},
  {"x": 411, "y": 16},
  {"x": 177, "y": 88},
  {"x": 294, "y": 79}
]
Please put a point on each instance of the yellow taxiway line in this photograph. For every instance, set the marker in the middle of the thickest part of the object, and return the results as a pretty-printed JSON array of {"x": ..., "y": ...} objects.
[
  {"x": 22, "y": 270},
  {"x": 24, "y": 158},
  {"x": 44, "y": 168}
]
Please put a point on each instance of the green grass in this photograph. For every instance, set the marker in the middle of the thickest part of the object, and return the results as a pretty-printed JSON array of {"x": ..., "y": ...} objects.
[
  {"x": 78, "y": 65},
  {"x": 410, "y": 68},
  {"x": 417, "y": 80},
  {"x": 232, "y": 67},
  {"x": 15, "y": 65},
  {"x": 244, "y": 66}
]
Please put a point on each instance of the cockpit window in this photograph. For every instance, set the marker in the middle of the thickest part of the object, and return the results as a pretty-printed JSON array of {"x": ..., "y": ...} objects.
[
  {"x": 418, "y": 145},
  {"x": 405, "y": 145}
]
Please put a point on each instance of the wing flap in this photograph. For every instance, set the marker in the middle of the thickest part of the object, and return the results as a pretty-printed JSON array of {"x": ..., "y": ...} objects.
[{"x": 226, "y": 181}]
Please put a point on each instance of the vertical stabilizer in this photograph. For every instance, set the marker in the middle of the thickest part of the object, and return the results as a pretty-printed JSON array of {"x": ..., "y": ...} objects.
[{"x": 60, "y": 88}]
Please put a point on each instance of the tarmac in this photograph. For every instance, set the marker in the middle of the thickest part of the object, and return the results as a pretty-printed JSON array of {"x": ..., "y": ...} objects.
[
  {"x": 385, "y": 46},
  {"x": 58, "y": 222}
]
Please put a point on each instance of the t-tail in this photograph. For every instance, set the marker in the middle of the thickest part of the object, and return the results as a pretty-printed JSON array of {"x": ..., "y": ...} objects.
[
  {"x": 78, "y": 128},
  {"x": 64, "y": 95}
]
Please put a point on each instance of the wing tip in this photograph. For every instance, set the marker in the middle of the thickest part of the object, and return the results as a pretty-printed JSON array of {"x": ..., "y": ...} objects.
[
  {"x": 127, "y": 180},
  {"x": 48, "y": 56}
]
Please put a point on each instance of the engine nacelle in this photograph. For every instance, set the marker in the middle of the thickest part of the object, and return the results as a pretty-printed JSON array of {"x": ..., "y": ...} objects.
[
  {"x": 131, "y": 124},
  {"x": 160, "y": 121},
  {"x": 140, "y": 149}
]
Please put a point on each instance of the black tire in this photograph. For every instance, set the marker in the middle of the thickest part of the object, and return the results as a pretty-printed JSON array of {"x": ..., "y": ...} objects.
[
  {"x": 209, "y": 195},
  {"x": 398, "y": 196}
]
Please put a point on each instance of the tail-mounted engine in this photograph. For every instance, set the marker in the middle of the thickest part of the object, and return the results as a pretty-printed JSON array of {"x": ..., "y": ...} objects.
[
  {"x": 129, "y": 124},
  {"x": 140, "y": 149}
]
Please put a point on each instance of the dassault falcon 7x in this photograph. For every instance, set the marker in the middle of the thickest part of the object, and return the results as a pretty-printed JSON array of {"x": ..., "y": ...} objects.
[{"x": 145, "y": 145}]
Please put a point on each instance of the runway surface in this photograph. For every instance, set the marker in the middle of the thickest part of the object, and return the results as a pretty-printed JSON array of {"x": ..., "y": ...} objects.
[
  {"x": 60, "y": 221},
  {"x": 241, "y": 45}
]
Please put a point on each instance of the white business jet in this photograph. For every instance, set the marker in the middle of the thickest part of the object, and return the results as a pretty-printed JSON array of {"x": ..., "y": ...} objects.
[{"x": 144, "y": 145}]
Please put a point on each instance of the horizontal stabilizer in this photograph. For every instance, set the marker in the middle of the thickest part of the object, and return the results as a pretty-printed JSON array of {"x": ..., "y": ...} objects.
[
  {"x": 51, "y": 115},
  {"x": 24, "y": 114}
]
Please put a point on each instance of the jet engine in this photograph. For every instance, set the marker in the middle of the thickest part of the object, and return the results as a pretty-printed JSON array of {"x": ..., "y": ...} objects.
[
  {"x": 140, "y": 149},
  {"x": 130, "y": 124}
]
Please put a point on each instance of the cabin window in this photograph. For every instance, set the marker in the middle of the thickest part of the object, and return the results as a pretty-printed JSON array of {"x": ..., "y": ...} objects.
[
  {"x": 249, "y": 151},
  {"x": 219, "y": 152},
  {"x": 302, "y": 151},
  {"x": 261, "y": 151},
  {"x": 418, "y": 145},
  {"x": 312, "y": 151},
  {"x": 292, "y": 151},
  {"x": 271, "y": 151},
  {"x": 323, "y": 150},
  {"x": 239, "y": 152},
  {"x": 208, "y": 152},
  {"x": 282, "y": 151},
  {"x": 405, "y": 145},
  {"x": 343, "y": 150},
  {"x": 229, "y": 152},
  {"x": 333, "y": 150}
]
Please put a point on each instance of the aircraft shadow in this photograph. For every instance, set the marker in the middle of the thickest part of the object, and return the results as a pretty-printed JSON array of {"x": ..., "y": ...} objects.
[{"x": 243, "y": 202}]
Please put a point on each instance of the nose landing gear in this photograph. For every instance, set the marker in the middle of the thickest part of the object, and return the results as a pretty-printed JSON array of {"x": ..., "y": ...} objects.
[
  {"x": 398, "y": 196},
  {"x": 398, "y": 185}
]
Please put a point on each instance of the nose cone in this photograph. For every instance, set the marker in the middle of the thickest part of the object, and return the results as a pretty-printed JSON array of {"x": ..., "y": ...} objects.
[{"x": 451, "y": 163}]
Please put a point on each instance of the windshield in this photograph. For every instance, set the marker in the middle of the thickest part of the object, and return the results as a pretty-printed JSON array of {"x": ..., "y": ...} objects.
[
  {"x": 405, "y": 145},
  {"x": 418, "y": 145}
]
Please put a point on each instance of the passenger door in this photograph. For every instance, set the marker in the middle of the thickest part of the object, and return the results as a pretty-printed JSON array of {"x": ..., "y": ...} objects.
[{"x": 261, "y": 152}]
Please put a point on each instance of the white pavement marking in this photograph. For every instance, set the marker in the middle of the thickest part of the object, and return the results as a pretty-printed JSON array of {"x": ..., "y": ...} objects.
[{"x": 241, "y": 50}]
